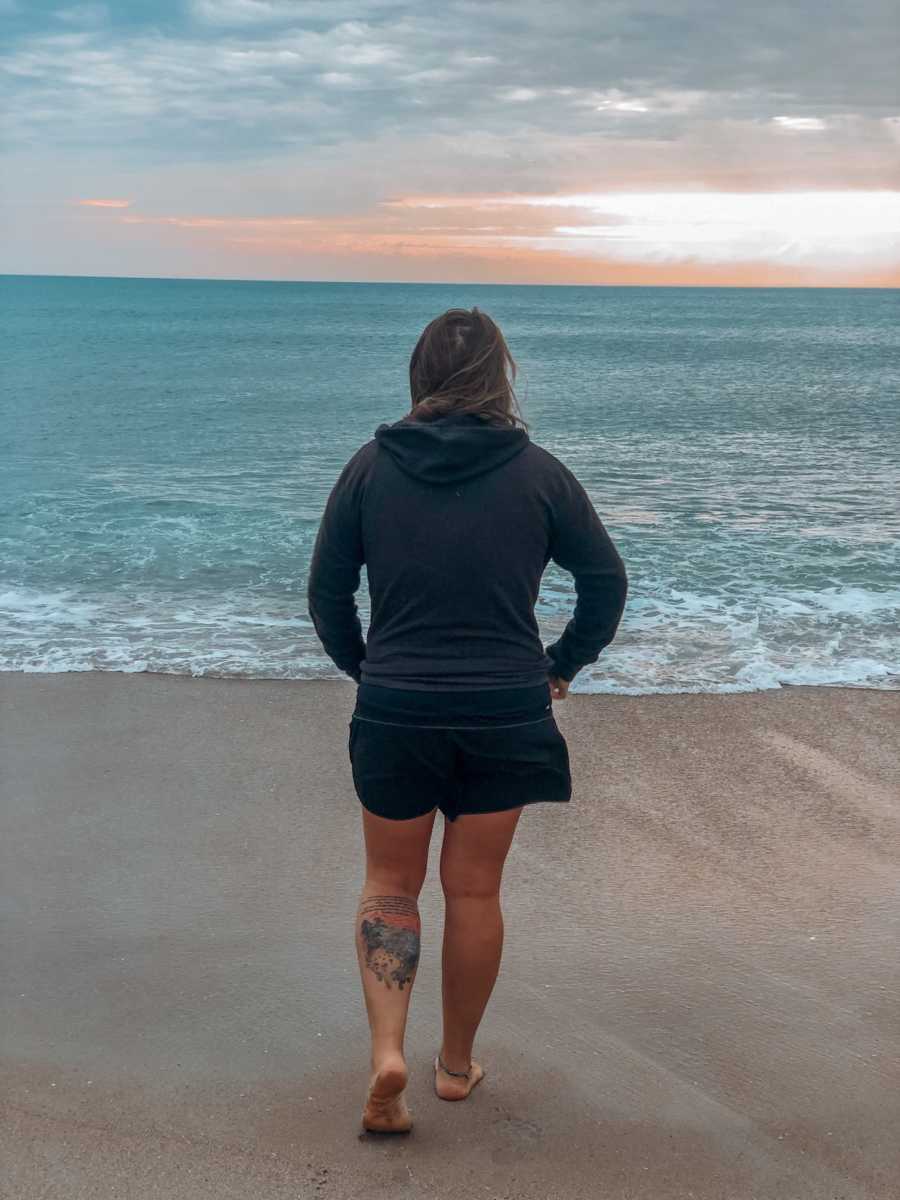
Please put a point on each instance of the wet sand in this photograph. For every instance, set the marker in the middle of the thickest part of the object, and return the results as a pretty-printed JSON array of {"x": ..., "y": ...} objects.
[{"x": 699, "y": 995}]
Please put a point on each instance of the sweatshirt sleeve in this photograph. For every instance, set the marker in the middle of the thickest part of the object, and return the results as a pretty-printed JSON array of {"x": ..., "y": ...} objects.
[
  {"x": 334, "y": 574},
  {"x": 580, "y": 544}
]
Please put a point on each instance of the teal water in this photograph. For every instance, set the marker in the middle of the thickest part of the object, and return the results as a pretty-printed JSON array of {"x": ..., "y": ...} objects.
[{"x": 167, "y": 448}]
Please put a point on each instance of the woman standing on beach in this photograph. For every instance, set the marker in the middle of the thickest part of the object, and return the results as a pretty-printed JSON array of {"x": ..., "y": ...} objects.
[{"x": 455, "y": 513}]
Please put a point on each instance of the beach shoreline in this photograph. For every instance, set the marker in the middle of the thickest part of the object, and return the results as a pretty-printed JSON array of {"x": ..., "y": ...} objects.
[
  {"x": 577, "y": 690},
  {"x": 699, "y": 979}
]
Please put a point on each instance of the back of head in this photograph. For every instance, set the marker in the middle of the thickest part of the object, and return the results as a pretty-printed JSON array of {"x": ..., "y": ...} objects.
[{"x": 461, "y": 364}]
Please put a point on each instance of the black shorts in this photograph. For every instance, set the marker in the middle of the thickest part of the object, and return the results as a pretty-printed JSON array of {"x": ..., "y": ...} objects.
[{"x": 475, "y": 752}]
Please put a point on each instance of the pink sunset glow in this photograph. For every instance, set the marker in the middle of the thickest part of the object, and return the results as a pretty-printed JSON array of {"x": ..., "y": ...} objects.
[{"x": 712, "y": 238}]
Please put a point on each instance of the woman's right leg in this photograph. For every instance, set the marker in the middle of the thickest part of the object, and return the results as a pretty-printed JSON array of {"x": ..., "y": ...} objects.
[{"x": 472, "y": 858}]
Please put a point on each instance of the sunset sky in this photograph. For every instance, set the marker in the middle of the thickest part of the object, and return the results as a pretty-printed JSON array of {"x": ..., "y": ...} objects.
[{"x": 522, "y": 141}]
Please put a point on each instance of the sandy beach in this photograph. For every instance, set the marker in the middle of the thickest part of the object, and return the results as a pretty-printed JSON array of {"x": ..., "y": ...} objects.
[{"x": 699, "y": 989}]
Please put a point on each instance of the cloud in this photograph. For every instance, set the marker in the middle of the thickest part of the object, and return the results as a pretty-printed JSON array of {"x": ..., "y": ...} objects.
[
  {"x": 229, "y": 224},
  {"x": 241, "y": 12},
  {"x": 665, "y": 100},
  {"x": 517, "y": 95},
  {"x": 104, "y": 203},
  {"x": 623, "y": 105},
  {"x": 240, "y": 77},
  {"x": 817, "y": 229},
  {"x": 269, "y": 12},
  {"x": 801, "y": 124},
  {"x": 82, "y": 14},
  {"x": 836, "y": 231}
]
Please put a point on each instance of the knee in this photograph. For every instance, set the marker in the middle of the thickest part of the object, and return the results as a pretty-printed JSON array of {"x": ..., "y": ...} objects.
[
  {"x": 464, "y": 882},
  {"x": 394, "y": 881}
]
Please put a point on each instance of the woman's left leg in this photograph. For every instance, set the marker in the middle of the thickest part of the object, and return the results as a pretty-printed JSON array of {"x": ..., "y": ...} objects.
[{"x": 387, "y": 943}]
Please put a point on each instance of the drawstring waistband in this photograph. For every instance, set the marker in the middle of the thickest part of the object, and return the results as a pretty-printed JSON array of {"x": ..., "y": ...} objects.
[{"x": 406, "y": 725}]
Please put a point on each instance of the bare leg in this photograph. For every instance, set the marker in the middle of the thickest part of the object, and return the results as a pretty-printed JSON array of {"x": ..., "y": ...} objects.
[
  {"x": 387, "y": 943},
  {"x": 472, "y": 858}
]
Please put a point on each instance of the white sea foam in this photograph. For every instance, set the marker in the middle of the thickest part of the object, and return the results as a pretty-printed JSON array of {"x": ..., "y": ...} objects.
[{"x": 670, "y": 641}]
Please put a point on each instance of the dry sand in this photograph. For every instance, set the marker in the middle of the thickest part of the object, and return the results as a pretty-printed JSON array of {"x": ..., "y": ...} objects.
[{"x": 699, "y": 995}]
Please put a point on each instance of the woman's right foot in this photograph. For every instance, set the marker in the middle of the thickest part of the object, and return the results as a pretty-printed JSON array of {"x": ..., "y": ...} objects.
[
  {"x": 385, "y": 1110},
  {"x": 456, "y": 1086}
]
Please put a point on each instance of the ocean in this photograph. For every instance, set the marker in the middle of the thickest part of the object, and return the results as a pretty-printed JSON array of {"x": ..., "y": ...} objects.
[{"x": 167, "y": 448}]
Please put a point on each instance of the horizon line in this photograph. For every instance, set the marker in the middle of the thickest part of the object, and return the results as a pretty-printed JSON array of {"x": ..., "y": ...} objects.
[{"x": 697, "y": 287}]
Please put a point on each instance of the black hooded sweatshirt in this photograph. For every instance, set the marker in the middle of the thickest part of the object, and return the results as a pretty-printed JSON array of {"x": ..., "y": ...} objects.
[{"x": 455, "y": 520}]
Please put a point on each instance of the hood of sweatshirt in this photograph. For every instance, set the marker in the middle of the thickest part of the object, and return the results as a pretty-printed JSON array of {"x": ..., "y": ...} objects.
[{"x": 450, "y": 449}]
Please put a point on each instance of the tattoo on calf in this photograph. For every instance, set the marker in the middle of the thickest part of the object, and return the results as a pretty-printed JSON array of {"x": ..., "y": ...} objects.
[{"x": 390, "y": 934}]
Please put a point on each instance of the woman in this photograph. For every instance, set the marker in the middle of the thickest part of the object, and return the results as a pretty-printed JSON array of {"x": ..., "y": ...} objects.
[{"x": 455, "y": 514}]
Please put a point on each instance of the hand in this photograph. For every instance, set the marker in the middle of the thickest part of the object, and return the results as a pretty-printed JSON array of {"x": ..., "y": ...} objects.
[{"x": 559, "y": 688}]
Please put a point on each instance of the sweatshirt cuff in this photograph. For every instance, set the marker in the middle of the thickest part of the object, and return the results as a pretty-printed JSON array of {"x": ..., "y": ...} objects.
[{"x": 559, "y": 669}]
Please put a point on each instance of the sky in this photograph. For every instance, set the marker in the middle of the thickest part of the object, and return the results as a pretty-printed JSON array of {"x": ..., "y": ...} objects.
[{"x": 580, "y": 141}]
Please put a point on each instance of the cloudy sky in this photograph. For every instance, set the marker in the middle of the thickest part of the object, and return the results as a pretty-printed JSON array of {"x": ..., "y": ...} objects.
[{"x": 582, "y": 141}]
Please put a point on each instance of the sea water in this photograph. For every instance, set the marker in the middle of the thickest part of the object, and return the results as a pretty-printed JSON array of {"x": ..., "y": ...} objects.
[{"x": 167, "y": 448}]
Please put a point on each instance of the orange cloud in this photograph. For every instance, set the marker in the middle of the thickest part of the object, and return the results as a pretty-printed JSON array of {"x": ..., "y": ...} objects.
[
  {"x": 220, "y": 222},
  {"x": 520, "y": 239},
  {"x": 104, "y": 203}
]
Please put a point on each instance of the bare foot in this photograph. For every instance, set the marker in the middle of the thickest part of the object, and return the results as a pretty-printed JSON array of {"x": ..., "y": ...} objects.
[
  {"x": 386, "y": 1110},
  {"x": 452, "y": 1087}
]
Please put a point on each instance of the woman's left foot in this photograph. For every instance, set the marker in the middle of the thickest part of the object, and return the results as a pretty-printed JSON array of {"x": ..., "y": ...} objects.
[
  {"x": 451, "y": 1085},
  {"x": 386, "y": 1110}
]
